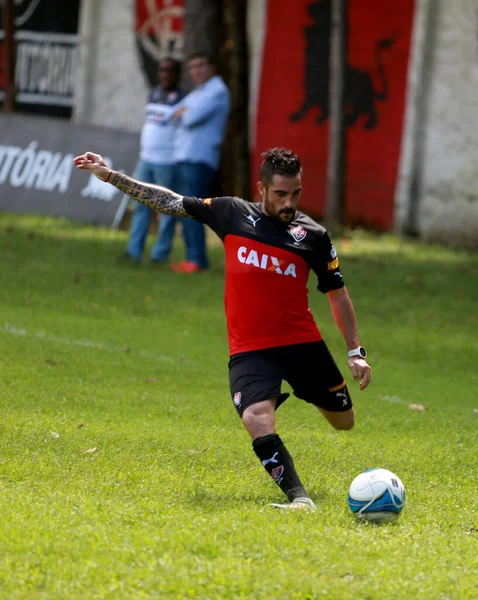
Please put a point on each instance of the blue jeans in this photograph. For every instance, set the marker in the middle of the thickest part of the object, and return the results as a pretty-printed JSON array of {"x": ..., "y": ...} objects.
[
  {"x": 149, "y": 173},
  {"x": 194, "y": 179}
]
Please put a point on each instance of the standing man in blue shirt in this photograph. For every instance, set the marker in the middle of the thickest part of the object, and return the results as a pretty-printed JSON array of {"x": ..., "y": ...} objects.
[
  {"x": 202, "y": 118},
  {"x": 156, "y": 162}
]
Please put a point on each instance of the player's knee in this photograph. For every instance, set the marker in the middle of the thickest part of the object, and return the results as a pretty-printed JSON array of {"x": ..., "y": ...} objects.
[
  {"x": 345, "y": 424},
  {"x": 248, "y": 418},
  {"x": 253, "y": 416},
  {"x": 258, "y": 419}
]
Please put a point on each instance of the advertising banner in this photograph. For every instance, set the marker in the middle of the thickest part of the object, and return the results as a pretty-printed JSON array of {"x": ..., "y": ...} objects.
[
  {"x": 293, "y": 107},
  {"x": 37, "y": 174}
]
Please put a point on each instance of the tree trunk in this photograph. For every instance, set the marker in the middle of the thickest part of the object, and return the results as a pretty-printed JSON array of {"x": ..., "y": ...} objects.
[
  {"x": 218, "y": 27},
  {"x": 235, "y": 61},
  {"x": 202, "y": 30},
  {"x": 335, "y": 212}
]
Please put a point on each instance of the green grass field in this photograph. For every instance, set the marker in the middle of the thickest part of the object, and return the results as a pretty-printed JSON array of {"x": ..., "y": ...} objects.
[{"x": 125, "y": 472}]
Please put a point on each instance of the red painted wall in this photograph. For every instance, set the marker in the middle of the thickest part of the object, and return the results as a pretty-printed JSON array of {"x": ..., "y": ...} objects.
[{"x": 293, "y": 97}]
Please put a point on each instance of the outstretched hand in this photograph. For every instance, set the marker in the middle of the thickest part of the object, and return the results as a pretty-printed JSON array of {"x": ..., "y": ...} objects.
[
  {"x": 361, "y": 371},
  {"x": 94, "y": 163}
]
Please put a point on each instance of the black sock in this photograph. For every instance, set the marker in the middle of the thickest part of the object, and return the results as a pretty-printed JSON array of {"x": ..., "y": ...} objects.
[{"x": 277, "y": 461}]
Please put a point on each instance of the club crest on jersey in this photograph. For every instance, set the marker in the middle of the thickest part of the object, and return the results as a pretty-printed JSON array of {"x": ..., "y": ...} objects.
[
  {"x": 265, "y": 262},
  {"x": 237, "y": 398},
  {"x": 298, "y": 233}
]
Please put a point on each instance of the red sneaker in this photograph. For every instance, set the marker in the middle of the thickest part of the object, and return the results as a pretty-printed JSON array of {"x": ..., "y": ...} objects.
[
  {"x": 178, "y": 267},
  {"x": 185, "y": 266}
]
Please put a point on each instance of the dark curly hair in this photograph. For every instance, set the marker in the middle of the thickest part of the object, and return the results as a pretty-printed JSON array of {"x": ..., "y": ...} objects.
[{"x": 279, "y": 161}]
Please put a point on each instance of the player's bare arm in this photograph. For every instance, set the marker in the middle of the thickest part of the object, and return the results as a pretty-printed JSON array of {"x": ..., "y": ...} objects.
[
  {"x": 157, "y": 198},
  {"x": 344, "y": 317}
]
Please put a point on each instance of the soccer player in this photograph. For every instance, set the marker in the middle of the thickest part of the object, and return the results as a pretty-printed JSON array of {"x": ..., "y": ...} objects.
[{"x": 270, "y": 248}]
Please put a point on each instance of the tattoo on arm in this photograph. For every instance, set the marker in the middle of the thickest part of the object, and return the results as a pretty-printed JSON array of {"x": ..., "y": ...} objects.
[{"x": 156, "y": 197}]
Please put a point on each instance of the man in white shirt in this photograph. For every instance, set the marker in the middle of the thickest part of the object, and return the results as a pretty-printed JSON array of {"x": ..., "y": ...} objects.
[{"x": 156, "y": 162}]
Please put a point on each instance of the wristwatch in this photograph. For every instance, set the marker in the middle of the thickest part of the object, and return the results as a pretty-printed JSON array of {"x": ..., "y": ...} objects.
[{"x": 360, "y": 351}]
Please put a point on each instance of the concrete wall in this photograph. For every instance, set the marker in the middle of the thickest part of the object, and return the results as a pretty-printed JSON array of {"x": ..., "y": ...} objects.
[
  {"x": 112, "y": 89},
  {"x": 450, "y": 188},
  {"x": 440, "y": 149}
]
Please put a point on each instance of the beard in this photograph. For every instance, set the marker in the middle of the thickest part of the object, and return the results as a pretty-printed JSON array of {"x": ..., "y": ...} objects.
[{"x": 283, "y": 215}]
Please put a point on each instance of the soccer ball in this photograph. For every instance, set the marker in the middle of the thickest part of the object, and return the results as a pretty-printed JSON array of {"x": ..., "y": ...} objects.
[{"x": 376, "y": 495}]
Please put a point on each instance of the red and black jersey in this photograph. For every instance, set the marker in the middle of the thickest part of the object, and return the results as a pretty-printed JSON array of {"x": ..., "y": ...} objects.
[{"x": 267, "y": 270}]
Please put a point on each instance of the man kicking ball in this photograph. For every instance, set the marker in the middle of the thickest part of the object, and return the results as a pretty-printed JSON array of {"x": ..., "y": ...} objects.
[{"x": 270, "y": 248}]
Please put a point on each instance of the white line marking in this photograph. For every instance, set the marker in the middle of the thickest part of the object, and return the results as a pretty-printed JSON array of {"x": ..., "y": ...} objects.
[
  {"x": 392, "y": 399},
  {"x": 43, "y": 335}
]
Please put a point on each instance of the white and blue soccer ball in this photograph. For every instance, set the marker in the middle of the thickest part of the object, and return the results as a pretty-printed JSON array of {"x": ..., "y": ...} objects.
[{"x": 376, "y": 495}]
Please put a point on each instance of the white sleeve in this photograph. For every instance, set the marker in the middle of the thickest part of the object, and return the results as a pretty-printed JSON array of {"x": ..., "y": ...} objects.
[{"x": 160, "y": 112}]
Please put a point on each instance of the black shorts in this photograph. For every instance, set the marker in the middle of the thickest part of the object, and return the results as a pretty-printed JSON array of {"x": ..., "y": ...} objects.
[{"x": 308, "y": 368}]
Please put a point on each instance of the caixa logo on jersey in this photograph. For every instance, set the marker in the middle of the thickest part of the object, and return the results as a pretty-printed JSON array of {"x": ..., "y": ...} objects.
[
  {"x": 265, "y": 262},
  {"x": 298, "y": 233}
]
